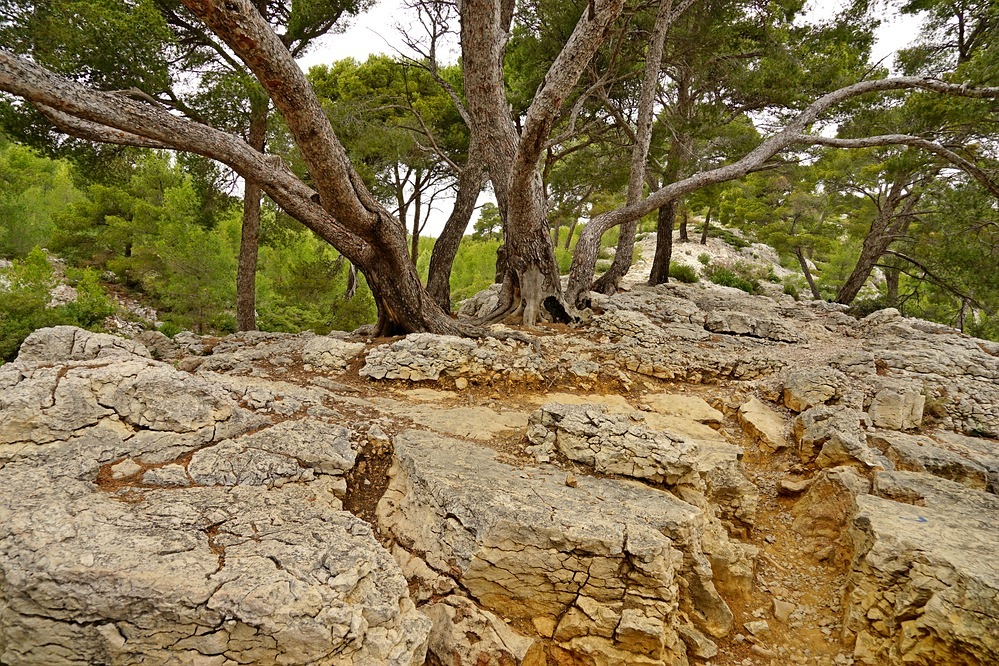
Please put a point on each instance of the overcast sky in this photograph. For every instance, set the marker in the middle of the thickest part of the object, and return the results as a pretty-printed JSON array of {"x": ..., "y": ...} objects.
[{"x": 378, "y": 31}]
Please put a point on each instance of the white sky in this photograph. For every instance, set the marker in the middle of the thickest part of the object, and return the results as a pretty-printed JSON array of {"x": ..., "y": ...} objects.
[{"x": 378, "y": 31}]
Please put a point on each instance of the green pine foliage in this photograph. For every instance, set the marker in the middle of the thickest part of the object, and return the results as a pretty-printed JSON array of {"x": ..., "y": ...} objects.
[{"x": 26, "y": 295}]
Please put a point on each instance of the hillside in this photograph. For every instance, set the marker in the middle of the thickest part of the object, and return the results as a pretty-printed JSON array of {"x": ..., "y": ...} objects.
[{"x": 696, "y": 475}]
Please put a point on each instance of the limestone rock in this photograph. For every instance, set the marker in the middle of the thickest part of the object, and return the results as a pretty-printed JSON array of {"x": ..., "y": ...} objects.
[
  {"x": 917, "y": 453},
  {"x": 923, "y": 589},
  {"x": 807, "y": 387},
  {"x": 897, "y": 406},
  {"x": 597, "y": 566},
  {"x": 835, "y": 435},
  {"x": 981, "y": 451},
  {"x": 763, "y": 424},
  {"x": 328, "y": 354},
  {"x": 69, "y": 343},
  {"x": 685, "y": 406},
  {"x": 463, "y": 633},
  {"x": 830, "y": 503},
  {"x": 757, "y": 326}
]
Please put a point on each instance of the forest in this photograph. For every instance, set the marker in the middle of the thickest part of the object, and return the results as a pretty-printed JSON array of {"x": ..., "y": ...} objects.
[{"x": 174, "y": 151}]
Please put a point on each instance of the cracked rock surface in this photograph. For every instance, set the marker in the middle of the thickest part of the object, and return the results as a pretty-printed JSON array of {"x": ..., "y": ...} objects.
[{"x": 235, "y": 551}]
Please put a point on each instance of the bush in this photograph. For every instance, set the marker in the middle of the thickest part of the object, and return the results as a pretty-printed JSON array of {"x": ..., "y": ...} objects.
[
  {"x": 791, "y": 291},
  {"x": 682, "y": 273},
  {"x": 25, "y": 290},
  {"x": 704, "y": 258},
  {"x": 862, "y": 307},
  {"x": 727, "y": 277}
]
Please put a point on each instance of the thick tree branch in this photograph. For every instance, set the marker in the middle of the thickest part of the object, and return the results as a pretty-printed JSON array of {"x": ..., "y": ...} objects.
[
  {"x": 83, "y": 129},
  {"x": 908, "y": 140},
  {"x": 242, "y": 28},
  {"x": 40, "y": 87}
]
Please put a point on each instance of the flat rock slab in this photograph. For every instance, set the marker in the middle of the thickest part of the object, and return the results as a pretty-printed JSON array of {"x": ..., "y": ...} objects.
[
  {"x": 595, "y": 566},
  {"x": 924, "y": 585},
  {"x": 471, "y": 422}
]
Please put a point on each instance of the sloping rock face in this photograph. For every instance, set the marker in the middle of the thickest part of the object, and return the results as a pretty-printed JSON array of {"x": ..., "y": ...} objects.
[
  {"x": 924, "y": 588},
  {"x": 242, "y": 555},
  {"x": 608, "y": 496},
  {"x": 596, "y": 567}
]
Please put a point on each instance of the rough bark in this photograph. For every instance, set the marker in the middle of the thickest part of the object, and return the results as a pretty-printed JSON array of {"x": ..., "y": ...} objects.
[
  {"x": 664, "y": 244},
  {"x": 803, "y": 262},
  {"x": 892, "y": 220},
  {"x": 794, "y": 133},
  {"x": 246, "y": 272},
  {"x": 611, "y": 279},
  {"x": 531, "y": 279},
  {"x": 470, "y": 183},
  {"x": 707, "y": 225},
  {"x": 684, "y": 221}
]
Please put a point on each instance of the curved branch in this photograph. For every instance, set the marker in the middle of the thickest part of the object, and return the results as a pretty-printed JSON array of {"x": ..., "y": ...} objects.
[
  {"x": 908, "y": 140},
  {"x": 84, "y": 129},
  {"x": 241, "y": 27},
  {"x": 39, "y": 86}
]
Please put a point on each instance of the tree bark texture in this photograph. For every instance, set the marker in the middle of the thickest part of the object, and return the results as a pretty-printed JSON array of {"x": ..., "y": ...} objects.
[
  {"x": 803, "y": 262},
  {"x": 531, "y": 275},
  {"x": 470, "y": 183},
  {"x": 664, "y": 244},
  {"x": 891, "y": 222},
  {"x": 246, "y": 272},
  {"x": 611, "y": 279}
]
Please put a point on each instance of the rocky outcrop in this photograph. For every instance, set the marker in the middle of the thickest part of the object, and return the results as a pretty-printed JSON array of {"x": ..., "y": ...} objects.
[
  {"x": 596, "y": 567},
  {"x": 147, "y": 518},
  {"x": 922, "y": 589}
]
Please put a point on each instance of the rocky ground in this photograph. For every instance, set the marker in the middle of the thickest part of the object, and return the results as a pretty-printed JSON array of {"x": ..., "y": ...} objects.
[{"x": 696, "y": 476}]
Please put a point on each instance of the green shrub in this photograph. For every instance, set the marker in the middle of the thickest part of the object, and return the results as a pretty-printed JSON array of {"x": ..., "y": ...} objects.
[
  {"x": 682, "y": 273},
  {"x": 169, "y": 329},
  {"x": 25, "y": 290},
  {"x": 791, "y": 291},
  {"x": 704, "y": 258},
  {"x": 727, "y": 277},
  {"x": 862, "y": 307}
]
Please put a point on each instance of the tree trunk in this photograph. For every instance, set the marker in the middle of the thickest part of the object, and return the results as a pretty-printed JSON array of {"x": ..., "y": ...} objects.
[
  {"x": 892, "y": 274},
  {"x": 572, "y": 230},
  {"x": 798, "y": 252},
  {"x": 683, "y": 225},
  {"x": 470, "y": 183},
  {"x": 246, "y": 272},
  {"x": 417, "y": 201},
  {"x": 610, "y": 280},
  {"x": 664, "y": 244},
  {"x": 707, "y": 224}
]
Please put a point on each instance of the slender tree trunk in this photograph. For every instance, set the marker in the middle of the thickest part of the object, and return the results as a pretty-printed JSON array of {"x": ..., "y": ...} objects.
[
  {"x": 417, "y": 201},
  {"x": 891, "y": 282},
  {"x": 246, "y": 272},
  {"x": 664, "y": 244},
  {"x": 683, "y": 225},
  {"x": 707, "y": 224},
  {"x": 470, "y": 183},
  {"x": 892, "y": 220},
  {"x": 610, "y": 280},
  {"x": 798, "y": 252},
  {"x": 572, "y": 230}
]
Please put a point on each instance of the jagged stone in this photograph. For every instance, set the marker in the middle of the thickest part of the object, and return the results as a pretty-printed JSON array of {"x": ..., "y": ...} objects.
[
  {"x": 763, "y": 424},
  {"x": 835, "y": 435},
  {"x": 95, "y": 569},
  {"x": 897, "y": 406},
  {"x": 922, "y": 589},
  {"x": 463, "y": 633},
  {"x": 684, "y": 406},
  {"x": 807, "y": 387},
  {"x": 571, "y": 561},
  {"x": 69, "y": 343},
  {"x": 917, "y": 453},
  {"x": 984, "y": 452},
  {"x": 742, "y": 323},
  {"x": 328, "y": 354},
  {"x": 830, "y": 503}
]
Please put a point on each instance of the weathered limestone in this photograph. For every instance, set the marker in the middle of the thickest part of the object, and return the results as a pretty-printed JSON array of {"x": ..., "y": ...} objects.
[
  {"x": 624, "y": 444},
  {"x": 463, "y": 634},
  {"x": 824, "y": 512},
  {"x": 923, "y": 588},
  {"x": 805, "y": 388},
  {"x": 763, "y": 424},
  {"x": 330, "y": 354},
  {"x": 916, "y": 453},
  {"x": 595, "y": 567},
  {"x": 835, "y": 435},
  {"x": 897, "y": 406},
  {"x": 111, "y": 551}
]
